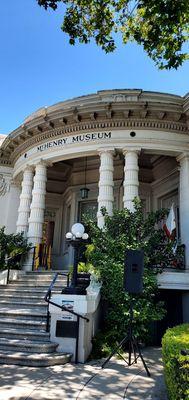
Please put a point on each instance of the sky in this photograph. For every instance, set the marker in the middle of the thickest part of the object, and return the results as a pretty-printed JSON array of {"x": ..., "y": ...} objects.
[{"x": 39, "y": 68}]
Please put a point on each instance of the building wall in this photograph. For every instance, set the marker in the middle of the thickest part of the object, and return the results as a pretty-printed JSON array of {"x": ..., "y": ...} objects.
[{"x": 9, "y": 200}]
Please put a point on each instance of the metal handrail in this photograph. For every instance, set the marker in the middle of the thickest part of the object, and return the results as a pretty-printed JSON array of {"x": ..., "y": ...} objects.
[
  {"x": 63, "y": 308},
  {"x": 48, "y": 294},
  {"x": 54, "y": 280},
  {"x": 7, "y": 259}
]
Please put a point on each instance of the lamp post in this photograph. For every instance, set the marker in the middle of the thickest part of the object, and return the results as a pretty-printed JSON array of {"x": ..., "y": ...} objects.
[{"x": 76, "y": 238}]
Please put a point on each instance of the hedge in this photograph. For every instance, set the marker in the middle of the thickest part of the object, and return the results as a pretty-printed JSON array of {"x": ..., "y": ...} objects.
[{"x": 176, "y": 366}]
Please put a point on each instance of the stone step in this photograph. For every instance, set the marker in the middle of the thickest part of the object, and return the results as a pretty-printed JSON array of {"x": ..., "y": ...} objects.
[
  {"x": 16, "y": 304},
  {"x": 27, "y": 346},
  {"x": 34, "y": 360},
  {"x": 46, "y": 278},
  {"x": 8, "y": 322},
  {"x": 15, "y": 333},
  {"x": 35, "y": 284},
  {"x": 50, "y": 272},
  {"x": 23, "y": 313},
  {"x": 23, "y": 290},
  {"x": 20, "y": 298}
]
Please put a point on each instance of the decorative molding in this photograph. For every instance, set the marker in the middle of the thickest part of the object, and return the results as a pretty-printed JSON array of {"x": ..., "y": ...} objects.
[
  {"x": 93, "y": 116},
  {"x": 108, "y": 109},
  {"x": 50, "y": 213},
  {"x": 4, "y": 186},
  {"x": 161, "y": 115},
  {"x": 5, "y": 161},
  {"x": 103, "y": 124},
  {"x": 76, "y": 116}
]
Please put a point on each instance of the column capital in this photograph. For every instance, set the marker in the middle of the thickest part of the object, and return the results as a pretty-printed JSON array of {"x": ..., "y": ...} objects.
[
  {"x": 127, "y": 150},
  {"x": 182, "y": 157},
  {"x": 28, "y": 167},
  {"x": 102, "y": 150},
  {"x": 41, "y": 162}
]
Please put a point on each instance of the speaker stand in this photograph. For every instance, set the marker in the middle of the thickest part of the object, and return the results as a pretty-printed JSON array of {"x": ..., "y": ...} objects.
[{"x": 133, "y": 347}]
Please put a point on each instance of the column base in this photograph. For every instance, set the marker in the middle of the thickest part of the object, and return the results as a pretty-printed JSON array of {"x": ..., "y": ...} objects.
[
  {"x": 100, "y": 221},
  {"x": 27, "y": 264}
]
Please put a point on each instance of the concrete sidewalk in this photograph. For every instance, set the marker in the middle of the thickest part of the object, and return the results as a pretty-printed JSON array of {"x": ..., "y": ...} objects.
[{"x": 89, "y": 381}]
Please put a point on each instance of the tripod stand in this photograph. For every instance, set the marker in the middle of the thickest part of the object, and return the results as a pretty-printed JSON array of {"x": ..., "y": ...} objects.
[{"x": 133, "y": 346}]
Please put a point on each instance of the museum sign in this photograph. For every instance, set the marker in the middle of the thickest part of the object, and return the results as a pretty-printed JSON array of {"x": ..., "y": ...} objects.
[{"x": 88, "y": 137}]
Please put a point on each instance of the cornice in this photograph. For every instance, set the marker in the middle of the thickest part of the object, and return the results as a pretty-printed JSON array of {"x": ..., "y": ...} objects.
[
  {"x": 112, "y": 109},
  {"x": 130, "y": 123}
]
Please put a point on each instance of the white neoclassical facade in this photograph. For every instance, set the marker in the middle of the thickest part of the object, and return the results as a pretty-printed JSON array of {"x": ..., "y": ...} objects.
[{"x": 117, "y": 143}]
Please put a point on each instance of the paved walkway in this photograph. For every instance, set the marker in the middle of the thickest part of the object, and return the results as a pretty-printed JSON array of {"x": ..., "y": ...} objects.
[{"x": 89, "y": 381}]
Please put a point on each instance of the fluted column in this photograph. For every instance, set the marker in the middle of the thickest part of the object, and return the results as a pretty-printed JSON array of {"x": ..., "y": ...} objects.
[
  {"x": 184, "y": 203},
  {"x": 25, "y": 201},
  {"x": 131, "y": 181},
  {"x": 106, "y": 183},
  {"x": 36, "y": 218}
]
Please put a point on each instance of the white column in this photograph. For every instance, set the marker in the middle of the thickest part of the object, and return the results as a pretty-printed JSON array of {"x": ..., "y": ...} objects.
[
  {"x": 25, "y": 201},
  {"x": 106, "y": 183},
  {"x": 184, "y": 203},
  {"x": 36, "y": 218},
  {"x": 10, "y": 208},
  {"x": 131, "y": 182}
]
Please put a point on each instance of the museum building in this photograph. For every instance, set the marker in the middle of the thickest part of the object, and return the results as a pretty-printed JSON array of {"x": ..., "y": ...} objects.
[{"x": 98, "y": 150}]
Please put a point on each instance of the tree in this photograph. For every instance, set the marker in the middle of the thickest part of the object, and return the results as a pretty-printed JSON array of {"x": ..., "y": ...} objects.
[
  {"x": 12, "y": 245},
  {"x": 160, "y": 26},
  {"x": 126, "y": 230}
]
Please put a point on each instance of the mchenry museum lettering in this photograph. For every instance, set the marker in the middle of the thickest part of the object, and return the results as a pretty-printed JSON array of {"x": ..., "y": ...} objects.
[{"x": 74, "y": 139}]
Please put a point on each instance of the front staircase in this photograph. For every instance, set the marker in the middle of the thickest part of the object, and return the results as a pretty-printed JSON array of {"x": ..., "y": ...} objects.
[{"x": 23, "y": 311}]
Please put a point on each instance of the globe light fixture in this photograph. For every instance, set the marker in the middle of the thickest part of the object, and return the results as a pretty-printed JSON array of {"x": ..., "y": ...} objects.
[
  {"x": 76, "y": 238},
  {"x": 78, "y": 228},
  {"x": 69, "y": 235},
  {"x": 78, "y": 235},
  {"x": 85, "y": 236}
]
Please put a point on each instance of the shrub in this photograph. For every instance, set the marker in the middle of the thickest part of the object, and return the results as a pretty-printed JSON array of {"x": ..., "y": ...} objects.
[
  {"x": 176, "y": 366},
  {"x": 126, "y": 230},
  {"x": 12, "y": 245}
]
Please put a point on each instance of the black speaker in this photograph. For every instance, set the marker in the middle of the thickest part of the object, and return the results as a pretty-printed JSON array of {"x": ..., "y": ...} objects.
[{"x": 133, "y": 271}]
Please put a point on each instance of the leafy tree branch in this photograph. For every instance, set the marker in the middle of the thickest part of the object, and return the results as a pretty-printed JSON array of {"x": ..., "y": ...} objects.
[{"x": 161, "y": 26}]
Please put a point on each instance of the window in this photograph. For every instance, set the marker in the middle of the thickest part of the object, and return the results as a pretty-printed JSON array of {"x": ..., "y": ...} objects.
[{"x": 87, "y": 208}]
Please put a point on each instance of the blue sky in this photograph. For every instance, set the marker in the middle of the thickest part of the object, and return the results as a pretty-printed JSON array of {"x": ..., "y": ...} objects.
[{"x": 38, "y": 67}]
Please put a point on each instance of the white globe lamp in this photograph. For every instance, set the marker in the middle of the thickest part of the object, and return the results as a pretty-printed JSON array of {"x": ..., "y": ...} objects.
[
  {"x": 85, "y": 236},
  {"x": 69, "y": 235},
  {"x": 78, "y": 229}
]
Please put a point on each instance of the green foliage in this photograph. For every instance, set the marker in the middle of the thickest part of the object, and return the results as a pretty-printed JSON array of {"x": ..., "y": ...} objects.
[
  {"x": 161, "y": 26},
  {"x": 127, "y": 230},
  {"x": 176, "y": 366},
  {"x": 12, "y": 245},
  {"x": 88, "y": 266}
]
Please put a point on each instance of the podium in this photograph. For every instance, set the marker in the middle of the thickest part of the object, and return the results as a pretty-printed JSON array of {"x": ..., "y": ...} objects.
[{"x": 74, "y": 334}]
